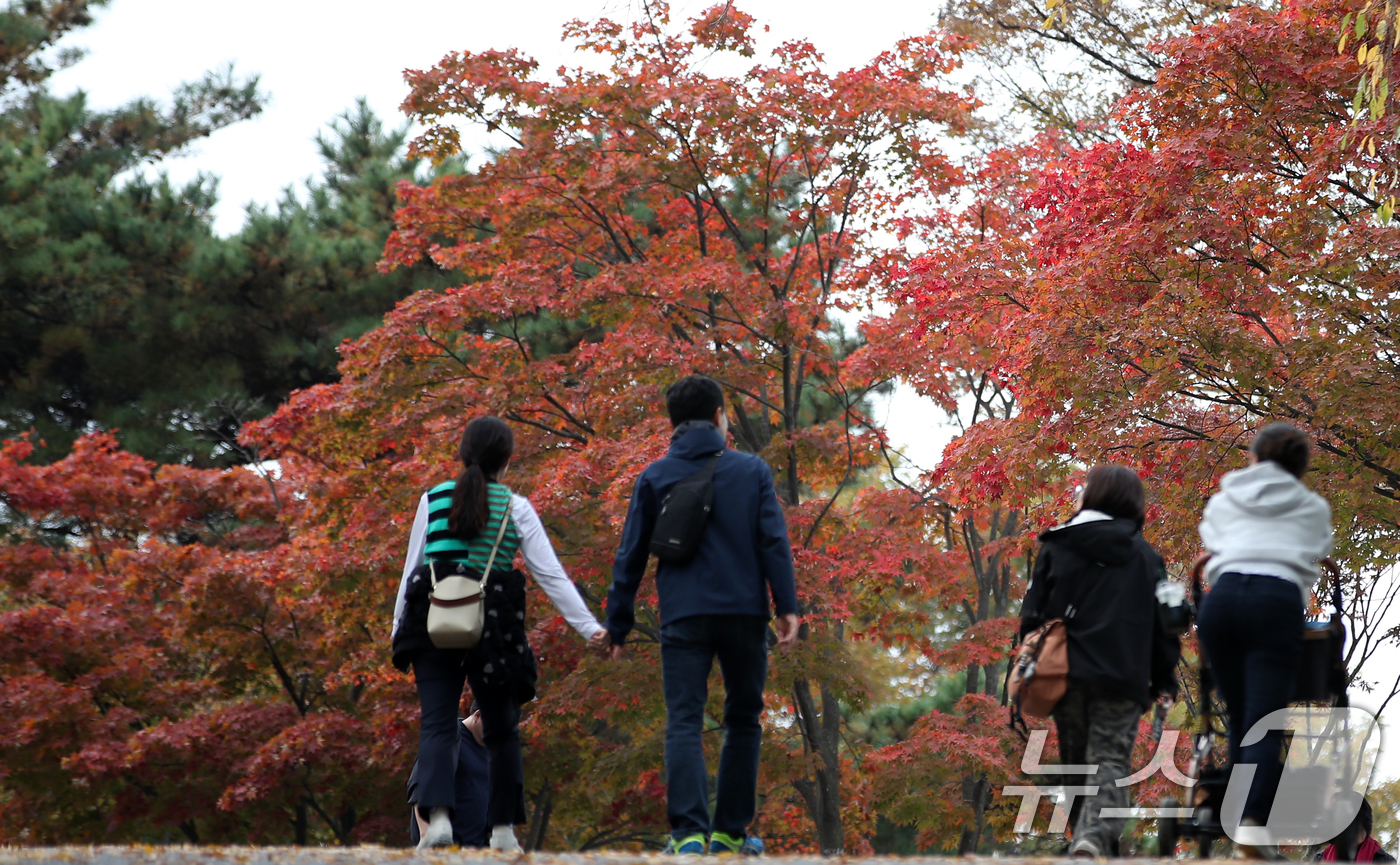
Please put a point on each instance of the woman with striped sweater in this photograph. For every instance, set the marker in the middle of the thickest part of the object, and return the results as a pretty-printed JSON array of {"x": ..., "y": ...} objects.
[{"x": 457, "y": 525}]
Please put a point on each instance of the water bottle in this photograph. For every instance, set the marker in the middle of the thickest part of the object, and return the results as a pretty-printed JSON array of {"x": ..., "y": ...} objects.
[{"x": 1172, "y": 607}]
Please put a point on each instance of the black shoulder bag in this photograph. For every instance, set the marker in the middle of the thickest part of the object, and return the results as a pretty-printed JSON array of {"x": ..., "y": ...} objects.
[{"x": 684, "y": 512}]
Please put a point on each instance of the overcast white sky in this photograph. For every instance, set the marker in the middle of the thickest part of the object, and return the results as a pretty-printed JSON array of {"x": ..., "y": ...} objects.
[{"x": 316, "y": 57}]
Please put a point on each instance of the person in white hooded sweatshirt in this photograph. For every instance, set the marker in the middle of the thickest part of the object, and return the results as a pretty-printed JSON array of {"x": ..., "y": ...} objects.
[{"x": 1265, "y": 534}]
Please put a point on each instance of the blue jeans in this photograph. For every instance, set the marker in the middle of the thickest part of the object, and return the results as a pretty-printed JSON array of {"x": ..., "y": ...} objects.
[
  {"x": 1251, "y": 628},
  {"x": 689, "y": 648}
]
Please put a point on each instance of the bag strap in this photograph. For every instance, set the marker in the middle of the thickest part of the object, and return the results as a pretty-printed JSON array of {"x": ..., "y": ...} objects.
[
  {"x": 1334, "y": 576},
  {"x": 490, "y": 561},
  {"x": 505, "y": 521},
  {"x": 1070, "y": 608},
  {"x": 707, "y": 474}
]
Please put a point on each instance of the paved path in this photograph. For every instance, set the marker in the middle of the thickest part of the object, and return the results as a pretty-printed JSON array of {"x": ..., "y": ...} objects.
[{"x": 367, "y": 855}]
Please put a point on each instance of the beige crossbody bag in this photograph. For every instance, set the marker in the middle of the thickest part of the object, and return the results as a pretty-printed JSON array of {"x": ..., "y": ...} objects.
[{"x": 457, "y": 604}]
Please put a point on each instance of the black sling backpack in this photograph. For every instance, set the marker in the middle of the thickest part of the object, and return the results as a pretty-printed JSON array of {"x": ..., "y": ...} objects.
[{"x": 684, "y": 513}]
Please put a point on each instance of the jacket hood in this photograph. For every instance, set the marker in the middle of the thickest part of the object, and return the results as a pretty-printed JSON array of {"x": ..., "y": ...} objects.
[
  {"x": 694, "y": 439},
  {"x": 1266, "y": 489},
  {"x": 1109, "y": 541}
]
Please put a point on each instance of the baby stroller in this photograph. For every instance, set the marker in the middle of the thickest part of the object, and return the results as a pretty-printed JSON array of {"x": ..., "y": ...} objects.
[{"x": 1325, "y": 763}]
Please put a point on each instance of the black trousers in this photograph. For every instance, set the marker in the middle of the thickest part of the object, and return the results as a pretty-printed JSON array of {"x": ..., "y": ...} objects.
[
  {"x": 440, "y": 675},
  {"x": 1251, "y": 627}
]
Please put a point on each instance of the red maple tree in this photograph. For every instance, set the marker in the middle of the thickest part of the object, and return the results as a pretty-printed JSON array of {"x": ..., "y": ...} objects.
[{"x": 645, "y": 221}]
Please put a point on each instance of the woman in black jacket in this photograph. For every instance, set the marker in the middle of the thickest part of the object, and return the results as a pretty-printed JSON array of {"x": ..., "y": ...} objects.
[{"x": 1099, "y": 575}]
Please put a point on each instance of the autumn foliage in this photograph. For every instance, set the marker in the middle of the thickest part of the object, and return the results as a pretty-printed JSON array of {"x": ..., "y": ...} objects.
[
  {"x": 166, "y": 661},
  {"x": 206, "y": 652},
  {"x": 1224, "y": 264}
]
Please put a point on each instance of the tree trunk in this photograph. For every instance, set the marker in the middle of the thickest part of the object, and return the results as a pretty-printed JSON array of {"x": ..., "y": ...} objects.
[
  {"x": 821, "y": 736},
  {"x": 991, "y": 681},
  {"x": 539, "y": 820},
  {"x": 299, "y": 825},
  {"x": 349, "y": 819},
  {"x": 976, "y": 795}
]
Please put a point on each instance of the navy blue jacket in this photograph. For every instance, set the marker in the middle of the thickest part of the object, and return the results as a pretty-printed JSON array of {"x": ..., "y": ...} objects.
[{"x": 744, "y": 553}]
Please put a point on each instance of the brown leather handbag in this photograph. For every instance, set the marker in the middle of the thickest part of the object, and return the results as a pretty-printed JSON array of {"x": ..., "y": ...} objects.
[{"x": 1040, "y": 671}]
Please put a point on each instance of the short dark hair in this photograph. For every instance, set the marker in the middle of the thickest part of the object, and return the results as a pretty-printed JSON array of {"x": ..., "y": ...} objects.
[
  {"x": 1116, "y": 491},
  {"x": 1284, "y": 444},
  {"x": 695, "y": 397}
]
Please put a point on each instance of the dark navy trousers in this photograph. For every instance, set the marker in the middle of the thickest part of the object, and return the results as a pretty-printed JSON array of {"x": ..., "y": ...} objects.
[
  {"x": 689, "y": 648},
  {"x": 440, "y": 675},
  {"x": 469, "y": 828},
  {"x": 1251, "y": 628}
]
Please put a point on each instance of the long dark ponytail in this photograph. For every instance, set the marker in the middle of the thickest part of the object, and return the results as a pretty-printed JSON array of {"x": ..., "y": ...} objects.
[{"x": 487, "y": 444}]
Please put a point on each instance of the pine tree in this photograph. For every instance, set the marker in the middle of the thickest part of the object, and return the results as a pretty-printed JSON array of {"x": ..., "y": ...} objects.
[{"x": 120, "y": 309}]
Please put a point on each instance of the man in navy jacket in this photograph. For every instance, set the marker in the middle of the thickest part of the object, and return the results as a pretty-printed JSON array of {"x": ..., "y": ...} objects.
[{"x": 714, "y": 605}]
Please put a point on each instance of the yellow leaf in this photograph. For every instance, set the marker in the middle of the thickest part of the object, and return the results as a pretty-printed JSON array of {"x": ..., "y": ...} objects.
[{"x": 1371, "y": 145}]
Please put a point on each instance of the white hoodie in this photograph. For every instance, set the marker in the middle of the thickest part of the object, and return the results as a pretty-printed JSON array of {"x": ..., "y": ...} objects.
[{"x": 1265, "y": 521}]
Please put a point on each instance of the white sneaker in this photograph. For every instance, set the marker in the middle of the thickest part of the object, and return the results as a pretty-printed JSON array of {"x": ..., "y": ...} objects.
[
  {"x": 1252, "y": 841},
  {"x": 1083, "y": 848},
  {"x": 503, "y": 839},
  {"x": 439, "y": 831}
]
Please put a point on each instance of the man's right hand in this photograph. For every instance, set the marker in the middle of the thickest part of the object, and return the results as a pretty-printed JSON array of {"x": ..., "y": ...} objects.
[
  {"x": 787, "y": 626},
  {"x": 600, "y": 642}
]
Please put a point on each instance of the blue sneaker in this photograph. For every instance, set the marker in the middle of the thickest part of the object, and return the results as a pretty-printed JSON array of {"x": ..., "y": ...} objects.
[
  {"x": 727, "y": 845},
  {"x": 691, "y": 845}
]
